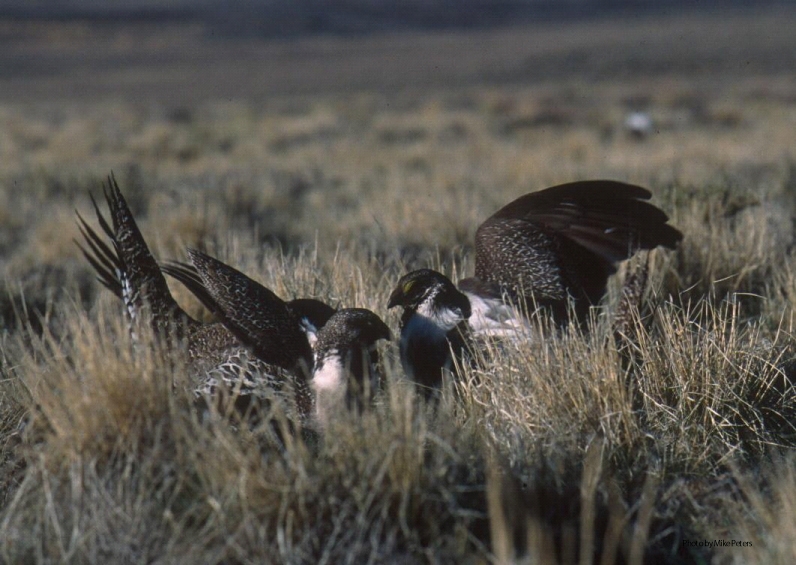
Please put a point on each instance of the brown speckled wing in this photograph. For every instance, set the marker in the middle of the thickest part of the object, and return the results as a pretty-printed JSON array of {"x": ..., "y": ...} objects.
[
  {"x": 126, "y": 267},
  {"x": 258, "y": 317},
  {"x": 565, "y": 240},
  {"x": 189, "y": 277}
]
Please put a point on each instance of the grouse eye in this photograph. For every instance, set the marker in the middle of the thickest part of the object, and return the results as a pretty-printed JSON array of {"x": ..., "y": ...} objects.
[{"x": 408, "y": 286}]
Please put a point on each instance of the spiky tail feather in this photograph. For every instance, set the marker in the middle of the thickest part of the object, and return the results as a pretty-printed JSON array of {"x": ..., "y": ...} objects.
[{"x": 126, "y": 266}]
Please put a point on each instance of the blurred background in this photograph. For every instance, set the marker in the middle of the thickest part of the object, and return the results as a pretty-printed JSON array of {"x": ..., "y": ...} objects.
[
  {"x": 184, "y": 50},
  {"x": 391, "y": 128}
]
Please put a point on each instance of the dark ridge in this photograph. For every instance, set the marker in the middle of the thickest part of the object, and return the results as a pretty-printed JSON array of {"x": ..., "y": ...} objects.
[
  {"x": 121, "y": 14},
  {"x": 313, "y": 17}
]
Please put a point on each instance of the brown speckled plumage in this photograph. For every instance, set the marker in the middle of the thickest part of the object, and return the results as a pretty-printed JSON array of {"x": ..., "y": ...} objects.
[
  {"x": 257, "y": 316},
  {"x": 352, "y": 334},
  {"x": 216, "y": 355},
  {"x": 564, "y": 242},
  {"x": 346, "y": 373},
  {"x": 631, "y": 300},
  {"x": 261, "y": 320}
]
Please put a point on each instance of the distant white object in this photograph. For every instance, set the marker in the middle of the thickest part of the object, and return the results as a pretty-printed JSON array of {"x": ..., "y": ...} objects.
[{"x": 638, "y": 124}]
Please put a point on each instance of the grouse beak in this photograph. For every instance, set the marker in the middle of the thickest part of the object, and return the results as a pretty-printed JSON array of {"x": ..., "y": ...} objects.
[
  {"x": 376, "y": 331},
  {"x": 396, "y": 298}
]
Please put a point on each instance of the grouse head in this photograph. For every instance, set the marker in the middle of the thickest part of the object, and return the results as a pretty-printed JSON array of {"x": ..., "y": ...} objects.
[
  {"x": 351, "y": 328},
  {"x": 433, "y": 295},
  {"x": 346, "y": 360}
]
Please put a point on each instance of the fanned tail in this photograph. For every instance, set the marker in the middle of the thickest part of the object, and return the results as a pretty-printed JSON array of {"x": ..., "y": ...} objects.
[{"x": 125, "y": 266}]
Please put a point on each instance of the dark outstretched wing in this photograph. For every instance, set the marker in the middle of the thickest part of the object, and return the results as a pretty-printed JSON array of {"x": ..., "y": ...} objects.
[
  {"x": 312, "y": 314},
  {"x": 126, "y": 266},
  {"x": 609, "y": 218},
  {"x": 257, "y": 316},
  {"x": 565, "y": 240},
  {"x": 189, "y": 277}
]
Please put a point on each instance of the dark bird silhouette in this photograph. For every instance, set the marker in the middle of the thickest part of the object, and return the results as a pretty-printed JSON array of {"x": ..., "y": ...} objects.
[{"x": 552, "y": 250}]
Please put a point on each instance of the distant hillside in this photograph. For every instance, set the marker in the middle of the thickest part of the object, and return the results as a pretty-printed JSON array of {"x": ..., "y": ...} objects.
[{"x": 298, "y": 17}]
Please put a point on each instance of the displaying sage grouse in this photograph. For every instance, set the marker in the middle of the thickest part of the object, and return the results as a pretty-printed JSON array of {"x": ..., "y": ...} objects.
[
  {"x": 553, "y": 249},
  {"x": 345, "y": 359},
  {"x": 277, "y": 368}
]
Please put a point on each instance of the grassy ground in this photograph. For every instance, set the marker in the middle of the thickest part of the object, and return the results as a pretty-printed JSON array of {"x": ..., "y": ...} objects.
[{"x": 569, "y": 446}]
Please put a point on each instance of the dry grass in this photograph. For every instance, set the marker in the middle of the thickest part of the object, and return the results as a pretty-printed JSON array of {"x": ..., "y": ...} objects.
[{"x": 573, "y": 445}]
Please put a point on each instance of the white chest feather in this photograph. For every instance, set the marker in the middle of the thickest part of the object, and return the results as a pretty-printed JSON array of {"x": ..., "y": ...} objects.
[
  {"x": 329, "y": 375},
  {"x": 423, "y": 329},
  {"x": 493, "y": 317},
  {"x": 329, "y": 385},
  {"x": 445, "y": 319}
]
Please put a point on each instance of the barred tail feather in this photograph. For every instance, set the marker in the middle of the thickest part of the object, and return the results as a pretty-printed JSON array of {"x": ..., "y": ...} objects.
[{"x": 125, "y": 266}]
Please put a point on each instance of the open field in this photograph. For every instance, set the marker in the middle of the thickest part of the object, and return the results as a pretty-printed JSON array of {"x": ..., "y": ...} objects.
[{"x": 328, "y": 167}]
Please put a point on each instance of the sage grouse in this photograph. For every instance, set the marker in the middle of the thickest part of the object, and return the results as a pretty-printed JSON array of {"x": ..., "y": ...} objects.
[
  {"x": 345, "y": 360},
  {"x": 553, "y": 250},
  {"x": 215, "y": 355}
]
